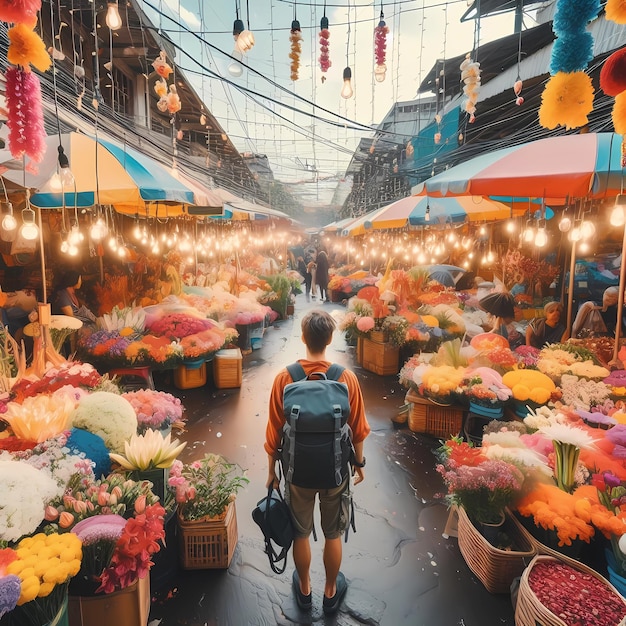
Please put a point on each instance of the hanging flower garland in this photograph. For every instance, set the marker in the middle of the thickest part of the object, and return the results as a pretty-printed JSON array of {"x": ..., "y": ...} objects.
[
  {"x": 567, "y": 98},
  {"x": 295, "y": 37},
  {"x": 613, "y": 75},
  {"x": 324, "y": 36},
  {"x": 470, "y": 75},
  {"x": 23, "y": 89},
  {"x": 380, "y": 49}
]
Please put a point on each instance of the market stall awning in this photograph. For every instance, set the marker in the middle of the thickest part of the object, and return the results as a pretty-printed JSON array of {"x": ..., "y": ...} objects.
[
  {"x": 556, "y": 168},
  {"x": 459, "y": 209},
  {"x": 102, "y": 172}
]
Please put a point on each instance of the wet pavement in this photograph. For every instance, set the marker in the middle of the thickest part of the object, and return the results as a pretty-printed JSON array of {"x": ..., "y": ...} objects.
[{"x": 400, "y": 567}]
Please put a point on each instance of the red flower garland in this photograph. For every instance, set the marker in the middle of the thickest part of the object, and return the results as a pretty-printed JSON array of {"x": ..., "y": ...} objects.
[
  {"x": 380, "y": 49},
  {"x": 324, "y": 59}
]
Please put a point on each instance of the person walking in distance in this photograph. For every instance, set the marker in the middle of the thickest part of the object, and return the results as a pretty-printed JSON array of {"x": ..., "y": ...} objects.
[
  {"x": 312, "y": 269},
  {"x": 321, "y": 275},
  {"x": 334, "y": 503}
]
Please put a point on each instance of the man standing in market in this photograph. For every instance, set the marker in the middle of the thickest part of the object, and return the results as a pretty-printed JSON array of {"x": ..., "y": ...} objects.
[{"x": 317, "y": 331}]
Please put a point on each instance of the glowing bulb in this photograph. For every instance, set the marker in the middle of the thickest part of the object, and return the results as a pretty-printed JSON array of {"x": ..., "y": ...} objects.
[
  {"x": 235, "y": 68},
  {"x": 121, "y": 251},
  {"x": 29, "y": 231},
  {"x": 9, "y": 222},
  {"x": 529, "y": 235},
  {"x": 617, "y": 216},
  {"x": 510, "y": 226},
  {"x": 98, "y": 230},
  {"x": 155, "y": 249},
  {"x": 72, "y": 250},
  {"x": 67, "y": 178},
  {"x": 482, "y": 231},
  {"x": 137, "y": 232},
  {"x": 65, "y": 247},
  {"x": 75, "y": 236},
  {"x": 346, "y": 90},
  {"x": 575, "y": 234},
  {"x": 541, "y": 238},
  {"x": 490, "y": 257},
  {"x": 587, "y": 229},
  {"x": 565, "y": 224},
  {"x": 583, "y": 248},
  {"x": 56, "y": 186},
  {"x": 113, "y": 19},
  {"x": 113, "y": 244}
]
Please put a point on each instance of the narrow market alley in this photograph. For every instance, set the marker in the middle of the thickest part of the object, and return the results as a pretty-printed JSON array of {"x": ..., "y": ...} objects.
[{"x": 400, "y": 568}]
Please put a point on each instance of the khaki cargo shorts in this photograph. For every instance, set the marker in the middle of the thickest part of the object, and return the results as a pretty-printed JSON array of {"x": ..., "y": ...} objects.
[{"x": 334, "y": 509}]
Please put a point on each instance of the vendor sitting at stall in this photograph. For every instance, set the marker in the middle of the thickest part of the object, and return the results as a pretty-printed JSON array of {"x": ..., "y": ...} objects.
[
  {"x": 599, "y": 320},
  {"x": 548, "y": 329},
  {"x": 18, "y": 300}
]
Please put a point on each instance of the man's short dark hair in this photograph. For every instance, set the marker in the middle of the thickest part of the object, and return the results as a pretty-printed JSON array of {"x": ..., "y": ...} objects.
[{"x": 317, "y": 330}]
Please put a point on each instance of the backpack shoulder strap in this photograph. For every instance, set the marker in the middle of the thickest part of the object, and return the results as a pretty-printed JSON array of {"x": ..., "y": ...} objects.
[
  {"x": 335, "y": 371},
  {"x": 296, "y": 371}
]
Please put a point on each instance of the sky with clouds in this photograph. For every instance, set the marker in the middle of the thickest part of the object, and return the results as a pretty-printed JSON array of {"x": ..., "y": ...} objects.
[{"x": 277, "y": 117}]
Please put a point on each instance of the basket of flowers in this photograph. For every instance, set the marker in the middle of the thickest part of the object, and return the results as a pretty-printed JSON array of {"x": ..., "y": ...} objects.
[
  {"x": 553, "y": 592},
  {"x": 207, "y": 520}
]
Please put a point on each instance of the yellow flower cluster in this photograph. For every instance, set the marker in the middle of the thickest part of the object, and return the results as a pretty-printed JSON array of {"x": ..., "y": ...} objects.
[
  {"x": 529, "y": 385},
  {"x": 443, "y": 379},
  {"x": 45, "y": 561}
]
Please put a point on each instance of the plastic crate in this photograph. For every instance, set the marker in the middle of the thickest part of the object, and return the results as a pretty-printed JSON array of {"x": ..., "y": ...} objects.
[{"x": 208, "y": 544}]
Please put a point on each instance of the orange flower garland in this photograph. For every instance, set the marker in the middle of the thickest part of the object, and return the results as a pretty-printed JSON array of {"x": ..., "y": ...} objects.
[{"x": 295, "y": 37}]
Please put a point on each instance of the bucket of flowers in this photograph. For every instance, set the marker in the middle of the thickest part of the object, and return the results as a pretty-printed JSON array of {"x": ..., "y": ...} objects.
[
  {"x": 157, "y": 410},
  {"x": 205, "y": 491}
]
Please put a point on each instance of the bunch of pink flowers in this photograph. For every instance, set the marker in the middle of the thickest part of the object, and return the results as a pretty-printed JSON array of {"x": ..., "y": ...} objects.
[{"x": 154, "y": 409}]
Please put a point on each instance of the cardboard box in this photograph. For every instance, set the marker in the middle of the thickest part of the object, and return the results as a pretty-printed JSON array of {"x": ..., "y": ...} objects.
[{"x": 227, "y": 368}]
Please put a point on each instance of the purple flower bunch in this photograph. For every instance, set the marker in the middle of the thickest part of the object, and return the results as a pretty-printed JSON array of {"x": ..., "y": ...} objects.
[
  {"x": 527, "y": 355},
  {"x": 154, "y": 409}
]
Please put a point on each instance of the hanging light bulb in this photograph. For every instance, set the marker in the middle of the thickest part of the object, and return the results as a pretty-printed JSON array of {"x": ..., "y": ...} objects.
[
  {"x": 587, "y": 229},
  {"x": 65, "y": 247},
  {"x": 29, "y": 229},
  {"x": 113, "y": 243},
  {"x": 575, "y": 234},
  {"x": 56, "y": 186},
  {"x": 541, "y": 238},
  {"x": 72, "y": 250},
  {"x": 9, "y": 224},
  {"x": 566, "y": 223},
  {"x": 98, "y": 230},
  {"x": 529, "y": 234},
  {"x": 236, "y": 68},
  {"x": 510, "y": 226},
  {"x": 137, "y": 231},
  {"x": 113, "y": 18},
  {"x": 583, "y": 247},
  {"x": 65, "y": 173},
  {"x": 75, "y": 236},
  {"x": 617, "y": 216},
  {"x": 346, "y": 90}
]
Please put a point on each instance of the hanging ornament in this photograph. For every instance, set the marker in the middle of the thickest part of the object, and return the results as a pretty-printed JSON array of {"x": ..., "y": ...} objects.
[
  {"x": 25, "y": 114},
  {"x": 295, "y": 37},
  {"x": 437, "y": 138},
  {"x": 173, "y": 101},
  {"x": 613, "y": 74},
  {"x": 161, "y": 66},
  {"x": 380, "y": 49},
  {"x": 16, "y": 12},
  {"x": 410, "y": 150},
  {"x": 517, "y": 90},
  {"x": 470, "y": 75},
  {"x": 567, "y": 98},
  {"x": 203, "y": 119},
  {"x": 324, "y": 37}
]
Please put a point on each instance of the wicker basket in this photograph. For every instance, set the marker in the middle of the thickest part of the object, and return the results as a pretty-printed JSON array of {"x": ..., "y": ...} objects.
[
  {"x": 208, "y": 544},
  {"x": 496, "y": 569},
  {"x": 529, "y": 611},
  {"x": 430, "y": 418}
]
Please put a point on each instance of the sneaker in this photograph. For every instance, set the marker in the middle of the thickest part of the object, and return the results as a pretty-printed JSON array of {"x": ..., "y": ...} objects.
[
  {"x": 304, "y": 602},
  {"x": 331, "y": 605}
]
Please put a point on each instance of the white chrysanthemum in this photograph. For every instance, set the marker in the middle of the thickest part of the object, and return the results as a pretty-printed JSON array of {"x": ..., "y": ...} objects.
[
  {"x": 571, "y": 435},
  {"x": 505, "y": 438},
  {"x": 521, "y": 457}
]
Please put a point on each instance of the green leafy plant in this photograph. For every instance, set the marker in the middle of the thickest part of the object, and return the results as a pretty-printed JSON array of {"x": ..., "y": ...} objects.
[{"x": 281, "y": 290}]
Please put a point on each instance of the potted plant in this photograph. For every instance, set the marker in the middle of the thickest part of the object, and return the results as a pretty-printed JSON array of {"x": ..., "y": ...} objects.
[{"x": 205, "y": 492}]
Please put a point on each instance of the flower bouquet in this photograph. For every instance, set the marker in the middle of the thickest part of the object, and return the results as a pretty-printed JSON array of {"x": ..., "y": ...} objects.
[
  {"x": 158, "y": 410},
  {"x": 204, "y": 488},
  {"x": 120, "y": 523},
  {"x": 483, "y": 487},
  {"x": 38, "y": 573}
]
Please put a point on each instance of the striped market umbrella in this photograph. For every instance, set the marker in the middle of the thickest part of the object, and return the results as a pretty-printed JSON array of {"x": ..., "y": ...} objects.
[{"x": 458, "y": 209}]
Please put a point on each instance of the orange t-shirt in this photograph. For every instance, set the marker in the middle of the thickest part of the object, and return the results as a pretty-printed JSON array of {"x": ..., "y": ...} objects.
[{"x": 276, "y": 420}]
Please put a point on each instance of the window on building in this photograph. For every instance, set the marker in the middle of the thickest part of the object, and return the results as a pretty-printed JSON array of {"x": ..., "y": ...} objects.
[{"x": 121, "y": 94}]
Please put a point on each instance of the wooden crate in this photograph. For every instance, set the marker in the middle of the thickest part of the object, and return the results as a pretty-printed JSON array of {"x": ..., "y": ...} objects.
[
  {"x": 227, "y": 369},
  {"x": 381, "y": 358},
  {"x": 186, "y": 377},
  {"x": 208, "y": 544},
  {"x": 433, "y": 419}
]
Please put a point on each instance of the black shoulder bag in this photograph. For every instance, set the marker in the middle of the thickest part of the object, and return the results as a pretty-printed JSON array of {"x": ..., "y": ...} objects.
[{"x": 274, "y": 519}]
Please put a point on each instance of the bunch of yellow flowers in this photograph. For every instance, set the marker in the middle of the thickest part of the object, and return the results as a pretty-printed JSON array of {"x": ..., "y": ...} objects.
[{"x": 45, "y": 561}]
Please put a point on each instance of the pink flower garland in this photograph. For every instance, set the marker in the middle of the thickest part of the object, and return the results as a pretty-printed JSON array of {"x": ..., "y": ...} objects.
[
  {"x": 325, "y": 62},
  {"x": 25, "y": 114}
]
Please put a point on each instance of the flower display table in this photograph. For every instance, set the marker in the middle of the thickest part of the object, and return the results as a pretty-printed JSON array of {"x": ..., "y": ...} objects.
[{"x": 128, "y": 607}]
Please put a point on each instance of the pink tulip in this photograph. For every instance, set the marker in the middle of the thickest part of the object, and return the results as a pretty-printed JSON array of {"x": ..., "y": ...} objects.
[
  {"x": 117, "y": 492},
  {"x": 103, "y": 498},
  {"x": 140, "y": 504},
  {"x": 50, "y": 514},
  {"x": 66, "y": 519}
]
